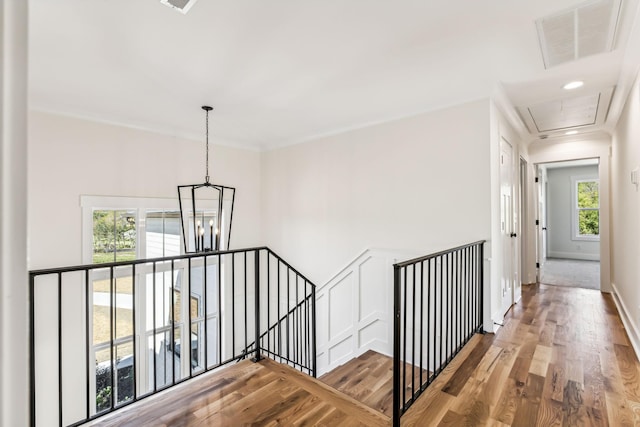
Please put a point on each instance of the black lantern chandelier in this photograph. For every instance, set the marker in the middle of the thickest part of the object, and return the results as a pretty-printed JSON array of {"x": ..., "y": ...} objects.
[{"x": 206, "y": 211}]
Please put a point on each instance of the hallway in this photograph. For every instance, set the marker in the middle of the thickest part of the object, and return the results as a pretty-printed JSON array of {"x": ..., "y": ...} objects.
[{"x": 562, "y": 359}]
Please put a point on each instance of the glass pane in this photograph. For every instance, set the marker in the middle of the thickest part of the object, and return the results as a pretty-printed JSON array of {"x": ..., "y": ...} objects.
[
  {"x": 162, "y": 233},
  {"x": 172, "y": 236},
  {"x": 125, "y": 235},
  {"x": 124, "y": 372},
  {"x": 213, "y": 350},
  {"x": 154, "y": 232},
  {"x": 197, "y": 346},
  {"x": 589, "y": 222},
  {"x": 103, "y": 380},
  {"x": 124, "y": 304},
  {"x": 103, "y": 236},
  {"x": 163, "y": 357},
  {"x": 177, "y": 353},
  {"x": 101, "y": 316},
  {"x": 588, "y": 196}
]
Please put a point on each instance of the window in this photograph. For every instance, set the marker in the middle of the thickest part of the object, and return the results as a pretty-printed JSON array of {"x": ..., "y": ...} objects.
[
  {"x": 586, "y": 217},
  {"x": 126, "y": 228},
  {"x": 123, "y": 229}
]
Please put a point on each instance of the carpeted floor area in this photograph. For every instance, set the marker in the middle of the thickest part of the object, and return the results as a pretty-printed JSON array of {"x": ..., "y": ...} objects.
[{"x": 570, "y": 272}]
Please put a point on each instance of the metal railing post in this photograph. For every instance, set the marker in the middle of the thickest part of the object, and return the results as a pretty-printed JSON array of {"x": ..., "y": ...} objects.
[
  {"x": 313, "y": 331},
  {"x": 481, "y": 267},
  {"x": 257, "y": 311},
  {"x": 396, "y": 346},
  {"x": 32, "y": 352}
]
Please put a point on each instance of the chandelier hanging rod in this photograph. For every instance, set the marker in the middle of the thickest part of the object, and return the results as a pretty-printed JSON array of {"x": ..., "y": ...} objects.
[{"x": 207, "y": 108}]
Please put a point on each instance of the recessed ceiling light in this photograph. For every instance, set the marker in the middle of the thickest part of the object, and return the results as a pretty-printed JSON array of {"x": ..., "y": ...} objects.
[
  {"x": 571, "y": 132},
  {"x": 573, "y": 85}
]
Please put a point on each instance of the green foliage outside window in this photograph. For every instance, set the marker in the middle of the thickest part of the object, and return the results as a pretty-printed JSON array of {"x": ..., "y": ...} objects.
[
  {"x": 114, "y": 236},
  {"x": 588, "y": 208}
]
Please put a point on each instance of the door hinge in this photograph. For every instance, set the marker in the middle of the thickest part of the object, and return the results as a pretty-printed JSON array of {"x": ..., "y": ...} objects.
[
  {"x": 536, "y": 179},
  {"x": 537, "y": 265},
  {"x": 537, "y": 222}
]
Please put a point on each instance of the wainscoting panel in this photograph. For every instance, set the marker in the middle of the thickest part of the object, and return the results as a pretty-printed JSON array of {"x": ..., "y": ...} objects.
[{"x": 354, "y": 309}]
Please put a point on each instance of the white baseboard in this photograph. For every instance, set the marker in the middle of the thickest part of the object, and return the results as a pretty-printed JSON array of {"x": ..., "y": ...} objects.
[
  {"x": 574, "y": 255},
  {"x": 627, "y": 320}
]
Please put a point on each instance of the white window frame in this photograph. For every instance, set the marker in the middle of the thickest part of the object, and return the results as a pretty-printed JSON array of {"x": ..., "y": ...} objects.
[
  {"x": 140, "y": 204},
  {"x": 575, "y": 211}
]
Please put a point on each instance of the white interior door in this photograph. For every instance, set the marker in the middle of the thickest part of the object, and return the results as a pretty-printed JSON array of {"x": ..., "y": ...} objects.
[
  {"x": 507, "y": 230},
  {"x": 542, "y": 217},
  {"x": 522, "y": 221}
]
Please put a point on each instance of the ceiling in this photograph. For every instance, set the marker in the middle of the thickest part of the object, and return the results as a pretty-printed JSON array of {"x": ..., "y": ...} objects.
[{"x": 281, "y": 72}]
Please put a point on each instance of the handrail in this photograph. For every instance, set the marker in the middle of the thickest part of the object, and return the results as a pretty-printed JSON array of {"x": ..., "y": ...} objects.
[
  {"x": 450, "y": 285},
  {"x": 223, "y": 301},
  {"x": 436, "y": 254},
  {"x": 302, "y": 276},
  {"x": 83, "y": 267}
]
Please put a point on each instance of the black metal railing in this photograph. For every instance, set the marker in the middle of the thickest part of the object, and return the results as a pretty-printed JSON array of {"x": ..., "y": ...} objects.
[
  {"x": 438, "y": 302},
  {"x": 106, "y": 335}
]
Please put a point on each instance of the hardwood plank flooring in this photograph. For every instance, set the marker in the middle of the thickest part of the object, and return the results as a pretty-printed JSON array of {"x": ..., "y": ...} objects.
[
  {"x": 564, "y": 360},
  {"x": 369, "y": 380},
  {"x": 264, "y": 393}
]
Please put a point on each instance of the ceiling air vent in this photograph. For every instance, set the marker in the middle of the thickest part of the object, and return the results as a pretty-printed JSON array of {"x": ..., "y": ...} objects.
[
  {"x": 585, "y": 30},
  {"x": 179, "y": 5}
]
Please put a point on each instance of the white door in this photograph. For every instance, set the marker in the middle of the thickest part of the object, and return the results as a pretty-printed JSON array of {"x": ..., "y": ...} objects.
[
  {"x": 522, "y": 221},
  {"x": 542, "y": 217},
  {"x": 507, "y": 229}
]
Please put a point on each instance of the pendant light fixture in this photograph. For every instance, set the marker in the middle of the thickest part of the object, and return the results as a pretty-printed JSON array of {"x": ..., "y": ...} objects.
[{"x": 206, "y": 210}]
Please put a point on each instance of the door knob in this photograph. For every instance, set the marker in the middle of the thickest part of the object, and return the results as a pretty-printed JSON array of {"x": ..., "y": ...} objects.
[
  {"x": 514, "y": 235},
  {"x": 544, "y": 228}
]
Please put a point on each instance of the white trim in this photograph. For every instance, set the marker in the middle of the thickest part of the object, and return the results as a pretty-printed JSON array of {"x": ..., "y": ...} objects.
[
  {"x": 627, "y": 320},
  {"x": 397, "y": 255},
  {"x": 120, "y": 202},
  {"x": 89, "y": 203},
  {"x": 574, "y": 255}
]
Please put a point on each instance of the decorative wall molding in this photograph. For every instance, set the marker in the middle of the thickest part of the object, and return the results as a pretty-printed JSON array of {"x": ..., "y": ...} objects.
[
  {"x": 354, "y": 309},
  {"x": 627, "y": 320}
]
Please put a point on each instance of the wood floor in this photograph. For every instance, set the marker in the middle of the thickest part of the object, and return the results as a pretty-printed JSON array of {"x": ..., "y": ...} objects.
[
  {"x": 562, "y": 359},
  {"x": 369, "y": 379},
  {"x": 264, "y": 393}
]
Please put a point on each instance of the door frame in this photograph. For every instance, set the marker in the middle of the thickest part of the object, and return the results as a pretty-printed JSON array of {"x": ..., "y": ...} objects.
[{"x": 596, "y": 147}]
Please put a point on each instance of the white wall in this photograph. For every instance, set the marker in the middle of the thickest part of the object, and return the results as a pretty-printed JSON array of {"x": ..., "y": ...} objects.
[
  {"x": 69, "y": 157},
  {"x": 14, "y": 309},
  {"x": 595, "y": 146},
  {"x": 560, "y": 210},
  {"x": 417, "y": 184},
  {"x": 625, "y": 220}
]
